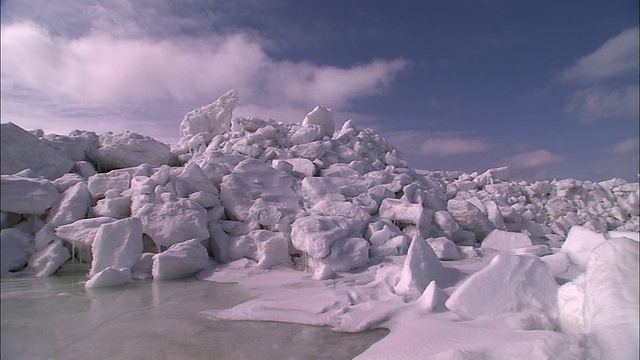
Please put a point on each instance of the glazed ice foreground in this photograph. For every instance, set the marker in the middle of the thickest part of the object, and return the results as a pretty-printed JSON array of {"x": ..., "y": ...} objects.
[{"x": 332, "y": 228}]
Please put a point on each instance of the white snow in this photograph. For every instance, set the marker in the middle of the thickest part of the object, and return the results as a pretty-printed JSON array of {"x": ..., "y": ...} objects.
[
  {"x": 82, "y": 232},
  {"x": 256, "y": 191},
  {"x": 117, "y": 180},
  {"x": 611, "y": 308},
  {"x": 399, "y": 210},
  {"x": 15, "y": 189},
  {"x": 22, "y": 150},
  {"x": 72, "y": 206},
  {"x": 214, "y": 118},
  {"x": 351, "y": 253},
  {"x": 16, "y": 247},
  {"x": 315, "y": 234},
  {"x": 117, "y": 245},
  {"x": 322, "y": 117},
  {"x": 579, "y": 243},
  {"x": 114, "y": 207},
  {"x": 109, "y": 277},
  {"x": 445, "y": 222},
  {"x": 505, "y": 241},
  {"x": 444, "y": 248},
  {"x": 66, "y": 181},
  {"x": 510, "y": 284},
  {"x": 48, "y": 260},
  {"x": 571, "y": 305},
  {"x": 180, "y": 260},
  {"x": 142, "y": 269},
  {"x": 307, "y": 134},
  {"x": 173, "y": 222},
  {"x": 354, "y": 214},
  {"x": 469, "y": 217},
  {"x": 334, "y": 229},
  {"x": 265, "y": 247},
  {"x": 420, "y": 268},
  {"x": 430, "y": 298},
  {"x": 128, "y": 149},
  {"x": 301, "y": 167},
  {"x": 80, "y": 235}
]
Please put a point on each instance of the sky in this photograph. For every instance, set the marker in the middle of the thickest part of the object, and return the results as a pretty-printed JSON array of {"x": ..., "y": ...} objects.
[{"x": 548, "y": 88}]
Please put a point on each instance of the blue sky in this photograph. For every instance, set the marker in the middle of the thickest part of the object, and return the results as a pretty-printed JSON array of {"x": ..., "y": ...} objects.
[{"x": 548, "y": 88}]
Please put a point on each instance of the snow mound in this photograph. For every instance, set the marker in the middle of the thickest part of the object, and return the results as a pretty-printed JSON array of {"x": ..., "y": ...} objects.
[
  {"x": 213, "y": 119},
  {"x": 611, "y": 290},
  {"x": 571, "y": 305},
  {"x": 128, "y": 149},
  {"x": 22, "y": 150},
  {"x": 321, "y": 192},
  {"x": 16, "y": 248},
  {"x": 174, "y": 222},
  {"x": 47, "y": 261},
  {"x": 579, "y": 243},
  {"x": 509, "y": 284},
  {"x": 15, "y": 190},
  {"x": 322, "y": 117},
  {"x": 255, "y": 191},
  {"x": 109, "y": 277},
  {"x": 505, "y": 241},
  {"x": 116, "y": 245},
  {"x": 420, "y": 268},
  {"x": 351, "y": 236},
  {"x": 180, "y": 260}
]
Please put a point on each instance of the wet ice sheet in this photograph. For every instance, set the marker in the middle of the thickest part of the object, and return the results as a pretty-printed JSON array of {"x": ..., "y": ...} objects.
[
  {"x": 56, "y": 318},
  {"x": 355, "y": 301}
]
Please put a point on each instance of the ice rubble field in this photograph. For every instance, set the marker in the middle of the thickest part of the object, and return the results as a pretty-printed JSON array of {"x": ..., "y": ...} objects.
[{"x": 332, "y": 228}]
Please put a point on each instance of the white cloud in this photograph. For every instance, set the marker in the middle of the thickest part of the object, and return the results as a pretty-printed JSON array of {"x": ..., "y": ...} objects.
[
  {"x": 595, "y": 100},
  {"x": 598, "y": 103},
  {"x": 615, "y": 57},
  {"x": 534, "y": 159},
  {"x": 454, "y": 146},
  {"x": 102, "y": 69},
  {"x": 99, "y": 68},
  {"x": 627, "y": 146},
  {"x": 332, "y": 86}
]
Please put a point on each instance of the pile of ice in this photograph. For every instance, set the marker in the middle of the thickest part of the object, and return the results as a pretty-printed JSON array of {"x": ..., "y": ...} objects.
[{"x": 308, "y": 197}]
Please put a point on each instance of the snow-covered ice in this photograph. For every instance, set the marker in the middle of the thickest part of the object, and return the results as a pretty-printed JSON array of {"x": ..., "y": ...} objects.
[
  {"x": 22, "y": 150},
  {"x": 109, "y": 277},
  {"x": 14, "y": 190},
  {"x": 128, "y": 149},
  {"x": 116, "y": 245},
  {"x": 180, "y": 260},
  {"x": 173, "y": 222},
  {"x": 611, "y": 298},
  {"x": 420, "y": 268},
  {"x": 47, "y": 261},
  {"x": 331, "y": 228},
  {"x": 505, "y": 241},
  {"x": 509, "y": 284}
]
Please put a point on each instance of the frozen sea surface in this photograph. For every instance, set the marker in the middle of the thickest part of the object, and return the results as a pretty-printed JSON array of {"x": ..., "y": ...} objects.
[{"x": 56, "y": 318}]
